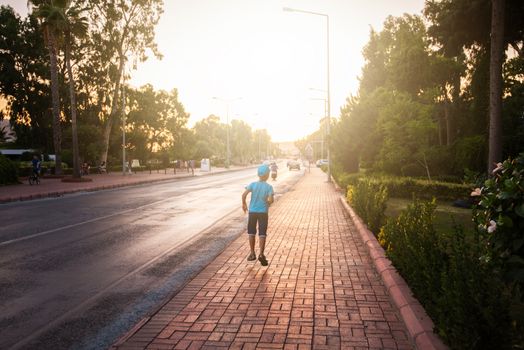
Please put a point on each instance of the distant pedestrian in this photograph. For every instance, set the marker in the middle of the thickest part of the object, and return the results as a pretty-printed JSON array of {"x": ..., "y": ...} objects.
[
  {"x": 192, "y": 166},
  {"x": 261, "y": 198}
]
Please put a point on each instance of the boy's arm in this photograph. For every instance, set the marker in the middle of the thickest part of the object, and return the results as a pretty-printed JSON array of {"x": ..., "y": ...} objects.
[
  {"x": 270, "y": 198},
  {"x": 244, "y": 204}
]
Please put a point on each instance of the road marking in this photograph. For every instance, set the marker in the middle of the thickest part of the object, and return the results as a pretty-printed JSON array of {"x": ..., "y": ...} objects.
[
  {"x": 89, "y": 301},
  {"x": 20, "y": 239}
]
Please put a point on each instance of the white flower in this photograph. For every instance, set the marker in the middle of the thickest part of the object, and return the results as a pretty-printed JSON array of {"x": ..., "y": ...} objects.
[
  {"x": 492, "y": 226},
  {"x": 476, "y": 192},
  {"x": 499, "y": 166}
]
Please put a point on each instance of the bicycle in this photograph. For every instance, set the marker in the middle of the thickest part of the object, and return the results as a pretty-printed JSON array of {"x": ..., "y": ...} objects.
[{"x": 34, "y": 179}]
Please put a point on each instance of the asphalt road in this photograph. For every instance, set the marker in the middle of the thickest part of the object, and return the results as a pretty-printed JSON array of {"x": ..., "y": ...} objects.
[{"x": 78, "y": 271}]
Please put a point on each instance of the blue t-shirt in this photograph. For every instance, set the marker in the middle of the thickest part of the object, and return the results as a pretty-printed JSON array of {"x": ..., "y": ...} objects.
[
  {"x": 36, "y": 164},
  {"x": 260, "y": 191}
]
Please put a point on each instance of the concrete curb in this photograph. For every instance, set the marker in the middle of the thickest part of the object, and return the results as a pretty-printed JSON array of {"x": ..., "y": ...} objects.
[{"x": 418, "y": 323}]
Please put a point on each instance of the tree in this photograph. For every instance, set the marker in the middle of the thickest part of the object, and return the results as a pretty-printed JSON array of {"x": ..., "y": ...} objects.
[
  {"x": 242, "y": 141},
  {"x": 68, "y": 22},
  {"x": 51, "y": 19},
  {"x": 459, "y": 25},
  {"x": 154, "y": 122},
  {"x": 24, "y": 73},
  {"x": 123, "y": 28},
  {"x": 210, "y": 137},
  {"x": 497, "y": 49}
]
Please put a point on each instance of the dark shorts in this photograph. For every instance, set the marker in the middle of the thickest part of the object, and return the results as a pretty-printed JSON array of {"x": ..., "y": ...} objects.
[{"x": 262, "y": 220}]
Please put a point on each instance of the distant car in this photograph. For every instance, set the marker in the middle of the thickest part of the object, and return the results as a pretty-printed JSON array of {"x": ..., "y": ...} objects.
[
  {"x": 321, "y": 162},
  {"x": 293, "y": 164}
]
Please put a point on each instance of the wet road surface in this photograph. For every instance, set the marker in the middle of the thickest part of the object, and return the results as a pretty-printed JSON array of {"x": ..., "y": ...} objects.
[{"x": 78, "y": 271}]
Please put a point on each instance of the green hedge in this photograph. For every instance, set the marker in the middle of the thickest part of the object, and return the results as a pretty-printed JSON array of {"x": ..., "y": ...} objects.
[
  {"x": 8, "y": 171},
  {"x": 407, "y": 187},
  {"x": 463, "y": 294},
  {"x": 369, "y": 200}
]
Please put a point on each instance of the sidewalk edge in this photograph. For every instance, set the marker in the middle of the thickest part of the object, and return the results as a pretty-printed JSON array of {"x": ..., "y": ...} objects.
[
  {"x": 418, "y": 323},
  {"x": 122, "y": 339}
]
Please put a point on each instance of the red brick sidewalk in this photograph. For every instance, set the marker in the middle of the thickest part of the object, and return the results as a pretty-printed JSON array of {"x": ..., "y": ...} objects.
[{"x": 319, "y": 291}]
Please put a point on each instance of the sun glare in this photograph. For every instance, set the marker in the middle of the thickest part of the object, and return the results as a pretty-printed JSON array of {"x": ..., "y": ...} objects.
[{"x": 274, "y": 60}]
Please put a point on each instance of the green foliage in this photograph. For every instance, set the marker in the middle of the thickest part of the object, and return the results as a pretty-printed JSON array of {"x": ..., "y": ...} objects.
[
  {"x": 433, "y": 122},
  {"x": 407, "y": 187},
  {"x": 500, "y": 216},
  {"x": 369, "y": 200},
  {"x": 8, "y": 171},
  {"x": 24, "y": 76},
  {"x": 464, "y": 297},
  {"x": 500, "y": 219},
  {"x": 155, "y": 120}
]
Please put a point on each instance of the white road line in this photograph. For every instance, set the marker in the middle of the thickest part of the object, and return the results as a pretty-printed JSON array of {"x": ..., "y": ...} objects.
[
  {"x": 20, "y": 239},
  {"x": 89, "y": 301}
]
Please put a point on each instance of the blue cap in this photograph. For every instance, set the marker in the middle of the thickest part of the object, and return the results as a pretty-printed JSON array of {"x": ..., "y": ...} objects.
[{"x": 263, "y": 170}]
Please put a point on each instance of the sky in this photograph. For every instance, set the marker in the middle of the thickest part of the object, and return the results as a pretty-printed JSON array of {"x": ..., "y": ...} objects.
[{"x": 250, "y": 60}]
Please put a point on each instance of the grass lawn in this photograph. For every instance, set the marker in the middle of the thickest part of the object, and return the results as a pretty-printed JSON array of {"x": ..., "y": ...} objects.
[{"x": 446, "y": 215}]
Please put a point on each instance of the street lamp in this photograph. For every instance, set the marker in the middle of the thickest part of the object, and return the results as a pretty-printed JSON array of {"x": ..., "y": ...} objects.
[
  {"x": 288, "y": 9},
  {"x": 123, "y": 122},
  {"x": 227, "y": 101}
]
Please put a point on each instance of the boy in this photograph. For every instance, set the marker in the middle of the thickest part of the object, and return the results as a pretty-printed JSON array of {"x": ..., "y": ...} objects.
[{"x": 261, "y": 199}]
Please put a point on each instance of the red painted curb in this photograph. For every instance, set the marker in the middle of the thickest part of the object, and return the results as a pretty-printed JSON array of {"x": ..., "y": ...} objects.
[{"x": 418, "y": 323}]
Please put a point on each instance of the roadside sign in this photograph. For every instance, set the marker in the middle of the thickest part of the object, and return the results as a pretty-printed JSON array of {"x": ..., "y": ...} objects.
[{"x": 309, "y": 151}]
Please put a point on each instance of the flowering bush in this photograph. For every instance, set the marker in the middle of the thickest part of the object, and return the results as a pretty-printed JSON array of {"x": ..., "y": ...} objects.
[
  {"x": 500, "y": 216},
  {"x": 465, "y": 299},
  {"x": 500, "y": 219}
]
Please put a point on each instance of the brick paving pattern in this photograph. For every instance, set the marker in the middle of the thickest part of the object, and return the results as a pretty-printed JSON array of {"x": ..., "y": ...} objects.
[{"x": 319, "y": 291}]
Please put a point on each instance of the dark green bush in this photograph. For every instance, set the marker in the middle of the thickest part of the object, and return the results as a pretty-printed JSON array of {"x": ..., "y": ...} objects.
[
  {"x": 462, "y": 294},
  {"x": 500, "y": 219},
  {"x": 346, "y": 179},
  {"x": 369, "y": 200},
  {"x": 500, "y": 216},
  {"x": 407, "y": 187},
  {"x": 413, "y": 169},
  {"x": 8, "y": 171}
]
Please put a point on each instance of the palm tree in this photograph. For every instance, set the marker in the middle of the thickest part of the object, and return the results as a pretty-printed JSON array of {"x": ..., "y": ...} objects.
[
  {"x": 50, "y": 18},
  {"x": 495, "y": 83},
  {"x": 75, "y": 25},
  {"x": 62, "y": 18}
]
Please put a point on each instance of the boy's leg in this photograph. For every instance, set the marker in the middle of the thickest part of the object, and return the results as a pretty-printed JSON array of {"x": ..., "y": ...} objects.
[
  {"x": 262, "y": 231},
  {"x": 252, "y": 243},
  {"x": 251, "y": 231},
  {"x": 261, "y": 244}
]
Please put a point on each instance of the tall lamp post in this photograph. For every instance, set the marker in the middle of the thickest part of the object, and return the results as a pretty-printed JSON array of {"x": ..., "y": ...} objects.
[
  {"x": 123, "y": 126},
  {"x": 228, "y": 102},
  {"x": 288, "y": 9}
]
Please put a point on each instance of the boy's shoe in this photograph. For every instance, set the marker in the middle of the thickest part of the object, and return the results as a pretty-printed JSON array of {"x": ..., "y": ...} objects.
[
  {"x": 251, "y": 257},
  {"x": 263, "y": 260}
]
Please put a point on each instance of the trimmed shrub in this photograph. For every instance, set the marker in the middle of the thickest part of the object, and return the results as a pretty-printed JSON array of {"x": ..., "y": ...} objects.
[
  {"x": 344, "y": 179},
  {"x": 369, "y": 201},
  {"x": 8, "y": 171},
  {"x": 462, "y": 294},
  {"x": 407, "y": 187}
]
